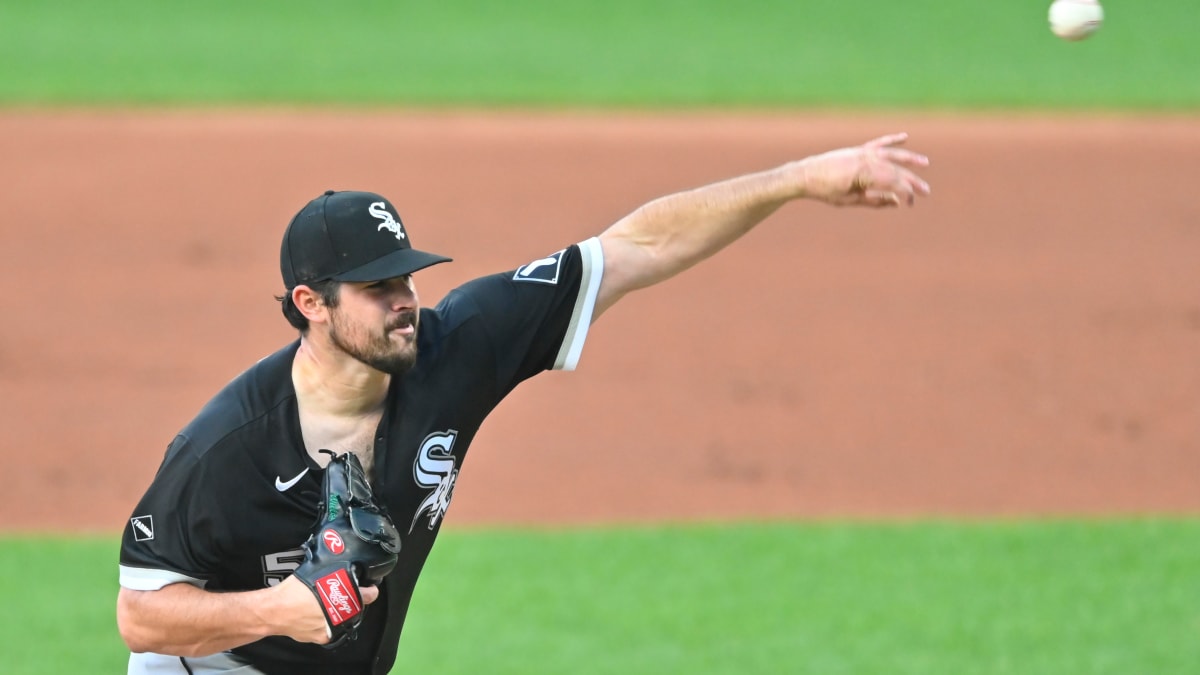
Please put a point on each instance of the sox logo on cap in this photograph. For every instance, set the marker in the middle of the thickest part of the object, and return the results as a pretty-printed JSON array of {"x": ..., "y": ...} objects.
[{"x": 379, "y": 210}]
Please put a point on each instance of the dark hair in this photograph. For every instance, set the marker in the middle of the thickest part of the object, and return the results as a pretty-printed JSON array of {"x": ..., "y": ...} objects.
[{"x": 327, "y": 289}]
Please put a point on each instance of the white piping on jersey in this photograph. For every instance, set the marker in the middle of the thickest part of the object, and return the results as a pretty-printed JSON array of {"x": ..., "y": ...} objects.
[
  {"x": 581, "y": 316},
  {"x": 143, "y": 579}
]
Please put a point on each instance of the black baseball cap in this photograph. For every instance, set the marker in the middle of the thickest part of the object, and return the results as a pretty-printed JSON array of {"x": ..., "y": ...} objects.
[{"x": 349, "y": 236}]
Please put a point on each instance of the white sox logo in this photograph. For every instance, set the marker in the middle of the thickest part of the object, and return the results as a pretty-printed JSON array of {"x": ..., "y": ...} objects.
[
  {"x": 379, "y": 210},
  {"x": 434, "y": 468},
  {"x": 543, "y": 271}
]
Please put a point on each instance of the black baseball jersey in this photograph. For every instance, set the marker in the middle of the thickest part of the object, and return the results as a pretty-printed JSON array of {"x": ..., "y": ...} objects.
[{"x": 236, "y": 494}]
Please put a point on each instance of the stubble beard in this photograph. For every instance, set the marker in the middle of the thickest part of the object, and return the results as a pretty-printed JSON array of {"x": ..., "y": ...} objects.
[{"x": 378, "y": 351}]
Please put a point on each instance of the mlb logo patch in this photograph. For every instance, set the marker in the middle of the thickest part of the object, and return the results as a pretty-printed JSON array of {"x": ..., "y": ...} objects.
[
  {"x": 543, "y": 271},
  {"x": 143, "y": 528}
]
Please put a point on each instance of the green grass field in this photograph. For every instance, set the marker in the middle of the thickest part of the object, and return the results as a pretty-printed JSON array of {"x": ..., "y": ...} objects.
[
  {"x": 1053, "y": 597},
  {"x": 1117, "y": 597},
  {"x": 920, "y": 53}
]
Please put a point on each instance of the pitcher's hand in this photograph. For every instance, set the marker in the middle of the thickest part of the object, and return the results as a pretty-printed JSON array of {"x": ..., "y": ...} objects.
[
  {"x": 876, "y": 174},
  {"x": 301, "y": 617}
]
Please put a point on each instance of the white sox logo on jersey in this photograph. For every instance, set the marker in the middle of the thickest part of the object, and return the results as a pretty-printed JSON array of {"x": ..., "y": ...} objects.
[
  {"x": 379, "y": 210},
  {"x": 543, "y": 271},
  {"x": 434, "y": 468}
]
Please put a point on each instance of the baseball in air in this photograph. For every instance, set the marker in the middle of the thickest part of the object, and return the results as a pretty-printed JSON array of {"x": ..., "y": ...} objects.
[{"x": 1075, "y": 19}]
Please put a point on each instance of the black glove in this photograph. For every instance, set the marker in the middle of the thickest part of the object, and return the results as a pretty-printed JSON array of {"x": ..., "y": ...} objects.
[{"x": 354, "y": 543}]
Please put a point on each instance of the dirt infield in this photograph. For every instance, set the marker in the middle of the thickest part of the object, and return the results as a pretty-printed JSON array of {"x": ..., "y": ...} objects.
[{"x": 1025, "y": 342}]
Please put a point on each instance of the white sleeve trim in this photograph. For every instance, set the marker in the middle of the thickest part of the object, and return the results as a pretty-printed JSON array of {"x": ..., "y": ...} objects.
[
  {"x": 143, "y": 579},
  {"x": 585, "y": 305}
]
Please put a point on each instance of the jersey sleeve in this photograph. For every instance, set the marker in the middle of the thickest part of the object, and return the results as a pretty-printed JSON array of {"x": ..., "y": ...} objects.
[
  {"x": 537, "y": 316},
  {"x": 162, "y": 542}
]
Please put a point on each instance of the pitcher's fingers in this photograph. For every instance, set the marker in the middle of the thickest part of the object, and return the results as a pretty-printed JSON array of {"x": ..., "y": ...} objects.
[
  {"x": 904, "y": 157},
  {"x": 884, "y": 198},
  {"x": 887, "y": 140},
  {"x": 905, "y": 180},
  {"x": 916, "y": 183}
]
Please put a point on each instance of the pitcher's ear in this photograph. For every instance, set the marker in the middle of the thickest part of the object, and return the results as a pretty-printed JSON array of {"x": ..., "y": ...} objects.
[{"x": 309, "y": 303}]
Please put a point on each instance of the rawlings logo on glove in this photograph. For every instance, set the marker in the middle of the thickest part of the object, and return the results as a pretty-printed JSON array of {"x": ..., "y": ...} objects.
[
  {"x": 339, "y": 603},
  {"x": 353, "y": 544}
]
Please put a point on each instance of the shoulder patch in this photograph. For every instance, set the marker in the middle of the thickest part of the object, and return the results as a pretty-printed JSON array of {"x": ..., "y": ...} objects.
[
  {"x": 544, "y": 270},
  {"x": 143, "y": 528}
]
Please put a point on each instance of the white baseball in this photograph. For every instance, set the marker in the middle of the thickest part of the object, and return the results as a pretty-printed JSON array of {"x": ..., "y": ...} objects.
[{"x": 1075, "y": 19}]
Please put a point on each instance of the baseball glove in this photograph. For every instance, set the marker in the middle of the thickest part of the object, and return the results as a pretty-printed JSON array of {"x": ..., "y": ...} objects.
[{"x": 354, "y": 543}]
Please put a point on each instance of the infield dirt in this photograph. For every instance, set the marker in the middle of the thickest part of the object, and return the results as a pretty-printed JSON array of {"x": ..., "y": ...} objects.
[{"x": 1024, "y": 342}]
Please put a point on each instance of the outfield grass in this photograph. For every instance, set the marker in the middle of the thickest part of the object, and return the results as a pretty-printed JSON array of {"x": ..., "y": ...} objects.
[
  {"x": 919, "y": 53},
  {"x": 61, "y": 595},
  {"x": 1021, "y": 598}
]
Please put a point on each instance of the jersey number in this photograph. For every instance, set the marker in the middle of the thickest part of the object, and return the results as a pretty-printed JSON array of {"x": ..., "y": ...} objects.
[{"x": 279, "y": 566}]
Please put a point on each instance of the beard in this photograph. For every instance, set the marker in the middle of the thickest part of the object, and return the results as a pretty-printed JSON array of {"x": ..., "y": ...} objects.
[{"x": 376, "y": 350}]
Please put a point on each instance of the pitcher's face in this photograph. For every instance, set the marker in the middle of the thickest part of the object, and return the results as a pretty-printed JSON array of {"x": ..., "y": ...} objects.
[{"x": 376, "y": 323}]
